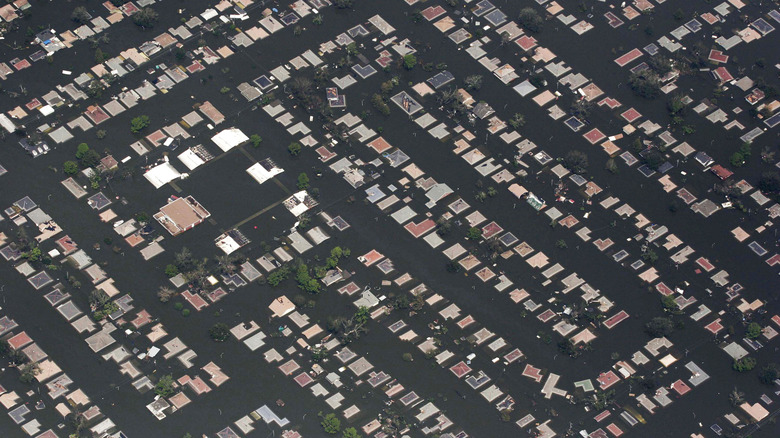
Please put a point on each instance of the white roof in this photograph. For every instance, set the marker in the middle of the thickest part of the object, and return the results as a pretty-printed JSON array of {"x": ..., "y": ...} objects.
[
  {"x": 227, "y": 244},
  {"x": 190, "y": 159},
  {"x": 229, "y": 138},
  {"x": 261, "y": 174},
  {"x": 46, "y": 110},
  {"x": 6, "y": 123},
  {"x": 300, "y": 207},
  {"x": 209, "y": 13},
  {"x": 162, "y": 174}
]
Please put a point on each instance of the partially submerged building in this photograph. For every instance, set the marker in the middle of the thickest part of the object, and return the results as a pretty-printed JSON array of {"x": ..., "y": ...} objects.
[{"x": 181, "y": 214}]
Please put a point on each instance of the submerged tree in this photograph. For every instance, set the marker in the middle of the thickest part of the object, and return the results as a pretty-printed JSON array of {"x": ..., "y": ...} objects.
[{"x": 146, "y": 17}]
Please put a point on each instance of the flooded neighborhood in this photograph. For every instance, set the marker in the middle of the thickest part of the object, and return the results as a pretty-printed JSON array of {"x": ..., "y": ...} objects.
[{"x": 389, "y": 218}]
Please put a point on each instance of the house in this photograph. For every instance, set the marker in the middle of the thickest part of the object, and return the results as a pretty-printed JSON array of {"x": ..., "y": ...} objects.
[
  {"x": 231, "y": 241},
  {"x": 108, "y": 163},
  {"x": 48, "y": 40},
  {"x": 482, "y": 110},
  {"x": 181, "y": 214},
  {"x": 465, "y": 98},
  {"x": 721, "y": 172},
  {"x": 756, "y": 411},
  {"x": 149, "y": 48},
  {"x": 281, "y": 306},
  {"x": 755, "y": 96},
  {"x": 704, "y": 159},
  {"x": 722, "y": 75}
]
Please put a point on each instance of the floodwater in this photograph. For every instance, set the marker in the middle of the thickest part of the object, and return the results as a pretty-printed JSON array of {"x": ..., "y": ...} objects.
[{"x": 232, "y": 196}]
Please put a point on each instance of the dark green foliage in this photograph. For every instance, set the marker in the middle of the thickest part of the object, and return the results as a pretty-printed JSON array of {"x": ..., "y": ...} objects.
[
  {"x": 139, "y": 123},
  {"x": 659, "y": 327},
  {"x": 219, "y": 332},
  {"x": 164, "y": 386}
]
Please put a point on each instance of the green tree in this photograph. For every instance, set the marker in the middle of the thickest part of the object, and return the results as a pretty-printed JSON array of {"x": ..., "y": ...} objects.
[
  {"x": 303, "y": 181},
  {"x": 745, "y": 364},
  {"x": 350, "y": 432},
  {"x": 139, "y": 123},
  {"x": 164, "y": 386},
  {"x": 90, "y": 159},
  {"x": 517, "y": 120},
  {"x": 294, "y": 148},
  {"x": 669, "y": 304},
  {"x": 305, "y": 280},
  {"x": 81, "y": 150},
  {"x": 171, "y": 270},
  {"x": 95, "y": 89},
  {"x": 255, "y": 140},
  {"x": 650, "y": 256},
  {"x": 737, "y": 159},
  {"x": 362, "y": 315},
  {"x": 70, "y": 167},
  {"x": 277, "y": 276},
  {"x": 98, "y": 298},
  {"x": 473, "y": 82},
  {"x": 331, "y": 424},
  {"x": 410, "y": 61},
  {"x": 753, "y": 330},
  {"x": 219, "y": 332},
  {"x": 474, "y": 233},
  {"x": 379, "y": 103},
  {"x": 100, "y": 56},
  {"x": 33, "y": 255}
]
